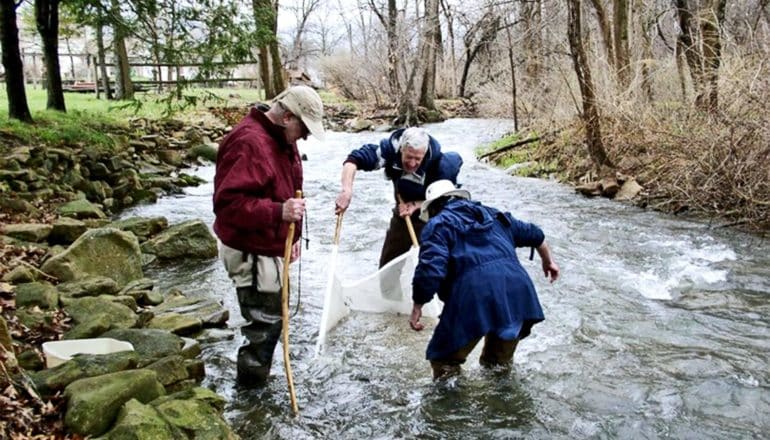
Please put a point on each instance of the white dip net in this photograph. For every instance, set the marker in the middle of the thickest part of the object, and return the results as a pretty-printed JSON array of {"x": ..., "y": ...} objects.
[{"x": 389, "y": 290}]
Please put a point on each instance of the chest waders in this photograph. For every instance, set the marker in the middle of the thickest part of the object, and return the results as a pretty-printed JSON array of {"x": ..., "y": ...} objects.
[{"x": 262, "y": 311}]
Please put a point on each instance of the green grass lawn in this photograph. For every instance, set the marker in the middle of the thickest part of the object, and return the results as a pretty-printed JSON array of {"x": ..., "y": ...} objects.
[
  {"x": 146, "y": 104},
  {"x": 88, "y": 121}
]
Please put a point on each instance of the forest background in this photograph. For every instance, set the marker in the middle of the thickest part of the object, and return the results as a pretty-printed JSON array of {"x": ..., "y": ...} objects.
[{"x": 670, "y": 93}]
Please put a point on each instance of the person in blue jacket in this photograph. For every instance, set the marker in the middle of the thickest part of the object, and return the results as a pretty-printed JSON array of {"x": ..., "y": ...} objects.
[
  {"x": 412, "y": 160},
  {"x": 468, "y": 257}
]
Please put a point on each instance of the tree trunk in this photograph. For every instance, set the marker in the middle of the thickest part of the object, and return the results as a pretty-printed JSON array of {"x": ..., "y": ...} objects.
[
  {"x": 102, "y": 60},
  {"x": 125, "y": 88},
  {"x": 620, "y": 32},
  {"x": 432, "y": 43},
  {"x": 125, "y": 85},
  {"x": 72, "y": 58},
  {"x": 279, "y": 83},
  {"x": 452, "y": 54},
  {"x": 265, "y": 19},
  {"x": 711, "y": 21},
  {"x": 14, "y": 69},
  {"x": 687, "y": 46},
  {"x": 487, "y": 27},
  {"x": 590, "y": 112},
  {"x": 646, "y": 25},
  {"x": 512, "y": 63},
  {"x": 264, "y": 72},
  {"x": 47, "y": 19},
  {"x": 606, "y": 31},
  {"x": 533, "y": 40},
  {"x": 390, "y": 27}
]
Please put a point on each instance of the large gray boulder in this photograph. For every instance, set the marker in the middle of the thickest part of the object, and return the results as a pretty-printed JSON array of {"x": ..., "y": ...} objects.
[
  {"x": 142, "y": 227},
  {"x": 196, "y": 411},
  {"x": 104, "y": 252},
  {"x": 137, "y": 421},
  {"x": 34, "y": 232},
  {"x": 81, "y": 366},
  {"x": 93, "y": 403},
  {"x": 66, "y": 230},
  {"x": 149, "y": 343},
  {"x": 189, "y": 239},
  {"x": 190, "y": 414},
  {"x": 85, "y": 312},
  {"x": 88, "y": 286},
  {"x": 42, "y": 294},
  {"x": 80, "y": 209}
]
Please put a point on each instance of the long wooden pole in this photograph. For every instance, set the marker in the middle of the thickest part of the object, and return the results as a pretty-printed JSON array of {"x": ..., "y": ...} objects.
[
  {"x": 409, "y": 225},
  {"x": 285, "y": 311}
]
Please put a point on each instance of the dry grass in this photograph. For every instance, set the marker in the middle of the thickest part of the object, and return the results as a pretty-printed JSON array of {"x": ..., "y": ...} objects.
[{"x": 710, "y": 164}]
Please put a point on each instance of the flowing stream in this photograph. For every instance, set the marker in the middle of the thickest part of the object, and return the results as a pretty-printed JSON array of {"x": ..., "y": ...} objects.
[{"x": 657, "y": 328}]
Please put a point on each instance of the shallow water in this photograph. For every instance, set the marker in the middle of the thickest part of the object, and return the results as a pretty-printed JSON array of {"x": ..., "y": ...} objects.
[{"x": 657, "y": 328}]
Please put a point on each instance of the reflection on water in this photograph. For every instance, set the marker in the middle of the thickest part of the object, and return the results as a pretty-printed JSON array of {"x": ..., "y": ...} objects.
[{"x": 657, "y": 328}]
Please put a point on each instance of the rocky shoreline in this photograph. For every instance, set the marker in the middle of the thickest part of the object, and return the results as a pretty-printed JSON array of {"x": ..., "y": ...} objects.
[{"x": 71, "y": 273}]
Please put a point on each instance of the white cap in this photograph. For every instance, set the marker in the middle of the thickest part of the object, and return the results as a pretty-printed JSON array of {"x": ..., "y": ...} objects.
[
  {"x": 305, "y": 103},
  {"x": 438, "y": 189}
]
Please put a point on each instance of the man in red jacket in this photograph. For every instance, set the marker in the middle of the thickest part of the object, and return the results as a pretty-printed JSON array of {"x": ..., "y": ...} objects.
[{"x": 258, "y": 171}]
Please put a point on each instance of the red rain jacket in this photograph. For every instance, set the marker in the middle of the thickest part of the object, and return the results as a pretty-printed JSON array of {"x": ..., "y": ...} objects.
[{"x": 256, "y": 172}]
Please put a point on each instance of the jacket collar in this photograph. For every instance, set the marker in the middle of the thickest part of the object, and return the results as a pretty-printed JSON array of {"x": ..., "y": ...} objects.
[{"x": 275, "y": 131}]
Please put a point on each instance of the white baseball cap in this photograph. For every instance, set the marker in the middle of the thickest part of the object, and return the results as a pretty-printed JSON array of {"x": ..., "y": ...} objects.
[
  {"x": 438, "y": 189},
  {"x": 304, "y": 102}
]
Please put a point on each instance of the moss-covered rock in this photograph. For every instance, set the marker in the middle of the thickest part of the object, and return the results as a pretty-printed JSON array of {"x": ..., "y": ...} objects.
[
  {"x": 40, "y": 293},
  {"x": 189, "y": 239},
  {"x": 104, "y": 252},
  {"x": 80, "y": 209},
  {"x": 93, "y": 403},
  {"x": 34, "y": 232}
]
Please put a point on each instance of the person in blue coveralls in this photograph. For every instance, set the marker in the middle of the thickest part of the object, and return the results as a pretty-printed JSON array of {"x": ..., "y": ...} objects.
[
  {"x": 468, "y": 257},
  {"x": 412, "y": 160}
]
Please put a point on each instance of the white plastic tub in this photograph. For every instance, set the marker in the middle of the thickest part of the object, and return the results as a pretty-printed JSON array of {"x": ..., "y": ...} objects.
[{"x": 58, "y": 352}]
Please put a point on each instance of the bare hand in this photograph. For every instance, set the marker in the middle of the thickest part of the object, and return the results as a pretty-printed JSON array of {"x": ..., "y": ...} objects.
[
  {"x": 292, "y": 210},
  {"x": 414, "y": 320},
  {"x": 407, "y": 208},
  {"x": 343, "y": 201},
  {"x": 551, "y": 270}
]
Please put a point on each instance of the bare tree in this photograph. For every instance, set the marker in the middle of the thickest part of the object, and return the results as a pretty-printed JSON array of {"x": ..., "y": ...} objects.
[
  {"x": 531, "y": 16},
  {"x": 711, "y": 18},
  {"x": 390, "y": 23},
  {"x": 604, "y": 29},
  {"x": 647, "y": 23},
  {"x": 431, "y": 41},
  {"x": 620, "y": 35},
  {"x": 590, "y": 112},
  {"x": 449, "y": 19},
  {"x": 479, "y": 36},
  {"x": 302, "y": 13}
]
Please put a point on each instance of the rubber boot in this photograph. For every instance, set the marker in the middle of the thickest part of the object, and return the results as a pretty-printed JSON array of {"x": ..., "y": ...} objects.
[{"x": 262, "y": 312}]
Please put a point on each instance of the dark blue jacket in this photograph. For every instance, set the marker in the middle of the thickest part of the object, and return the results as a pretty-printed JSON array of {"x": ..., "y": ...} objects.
[
  {"x": 468, "y": 256},
  {"x": 435, "y": 166}
]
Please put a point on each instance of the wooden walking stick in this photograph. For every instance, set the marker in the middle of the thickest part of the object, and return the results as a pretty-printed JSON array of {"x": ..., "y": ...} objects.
[
  {"x": 285, "y": 310},
  {"x": 409, "y": 225}
]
